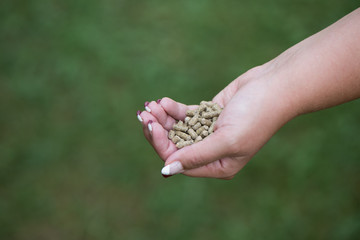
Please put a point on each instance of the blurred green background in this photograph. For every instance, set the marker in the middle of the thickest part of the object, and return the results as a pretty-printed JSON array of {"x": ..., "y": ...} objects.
[{"x": 73, "y": 160}]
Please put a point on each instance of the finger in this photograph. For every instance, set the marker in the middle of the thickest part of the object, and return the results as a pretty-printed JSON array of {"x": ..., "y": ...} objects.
[
  {"x": 157, "y": 136},
  {"x": 147, "y": 117},
  {"x": 175, "y": 109},
  {"x": 212, "y": 148},
  {"x": 162, "y": 117},
  {"x": 160, "y": 142},
  {"x": 138, "y": 116}
]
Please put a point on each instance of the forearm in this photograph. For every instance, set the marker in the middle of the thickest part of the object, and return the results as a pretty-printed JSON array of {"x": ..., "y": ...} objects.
[{"x": 323, "y": 70}]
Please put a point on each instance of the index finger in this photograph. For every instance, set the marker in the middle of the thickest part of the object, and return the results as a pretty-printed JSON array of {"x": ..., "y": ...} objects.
[{"x": 175, "y": 109}]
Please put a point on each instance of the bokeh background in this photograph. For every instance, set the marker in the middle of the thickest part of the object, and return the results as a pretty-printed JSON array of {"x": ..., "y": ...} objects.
[{"x": 75, "y": 165}]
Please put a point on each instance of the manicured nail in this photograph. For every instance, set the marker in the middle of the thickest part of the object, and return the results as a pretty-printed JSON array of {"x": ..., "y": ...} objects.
[
  {"x": 138, "y": 116},
  {"x": 149, "y": 125},
  {"x": 158, "y": 101},
  {"x": 172, "y": 169},
  {"x": 166, "y": 176},
  {"x": 147, "y": 107}
]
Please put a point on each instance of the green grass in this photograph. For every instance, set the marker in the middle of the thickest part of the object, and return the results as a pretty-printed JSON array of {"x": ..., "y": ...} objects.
[{"x": 74, "y": 163}]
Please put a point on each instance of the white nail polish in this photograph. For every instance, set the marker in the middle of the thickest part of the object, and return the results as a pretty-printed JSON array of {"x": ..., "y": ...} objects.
[
  {"x": 150, "y": 127},
  {"x": 139, "y": 117},
  {"x": 173, "y": 168},
  {"x": 147, "y": 109}
]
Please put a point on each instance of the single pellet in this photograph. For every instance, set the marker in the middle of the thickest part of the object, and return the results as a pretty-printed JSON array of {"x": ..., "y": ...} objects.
[
  {"x": 182, "y": 144},
  {"x": 183, "y": 135},
  {"x": 199, "y": 131},
  {"x": 216, "y": 107},
  {"x": 171, "y": 134},
  {"x": 176, "y": 139},
  {"x": 190, "y": 113},
  {"x": 204, "y": 134},
  {"x": 205, "y": 121},
  {"x": 198, "y": 139},
  {"x": 187, "y": 119},
  {"x": 196, "y": 126},
  {"x": 207, "y": 103},
  {"x": 179, "y": 143},
  {"x": 192, "y": 133},
  {"x": 201, "y": 108},
  {"x": 210, "y": 114},
  {"x": 211, "y": 128},
  {"x": 194, "y": 120},
  {"x": 180, "y": 127}
]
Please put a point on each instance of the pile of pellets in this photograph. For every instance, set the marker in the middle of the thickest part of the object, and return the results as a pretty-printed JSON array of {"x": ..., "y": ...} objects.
[{"x": 197, "y": 125}]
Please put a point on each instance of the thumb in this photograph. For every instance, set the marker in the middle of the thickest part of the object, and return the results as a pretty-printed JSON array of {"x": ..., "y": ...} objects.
[{"x": 212, "y": 148}]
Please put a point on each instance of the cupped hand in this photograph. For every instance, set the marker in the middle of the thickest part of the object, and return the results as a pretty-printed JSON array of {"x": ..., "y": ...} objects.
[
  {"x": 303, "y": 79},
  {"x": 253, "y": 112}
]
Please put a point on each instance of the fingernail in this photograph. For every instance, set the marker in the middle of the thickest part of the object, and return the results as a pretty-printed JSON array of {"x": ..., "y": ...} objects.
[
  {"x": 166, "y": 176},
  {"x": 138, "y": 116},
  {"x": 149, "y": 125},
  {"x": 172, "y": 169},
  {"x": 158, "y": 101},
  {"x": 147, "y": 107}
]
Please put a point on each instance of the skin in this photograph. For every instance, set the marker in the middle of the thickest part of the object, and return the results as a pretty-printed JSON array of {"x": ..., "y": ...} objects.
[{"x": 320, "y": 72}]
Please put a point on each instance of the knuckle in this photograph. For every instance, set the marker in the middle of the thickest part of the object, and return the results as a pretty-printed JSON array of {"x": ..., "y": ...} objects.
[
  {"x": 194, "y": 161},
  {"x": 191, "y": 163},
  {"x": 143, "y": 114},
  {"x": 152, "y": 104},
  {"x": 166, "y": 103}
]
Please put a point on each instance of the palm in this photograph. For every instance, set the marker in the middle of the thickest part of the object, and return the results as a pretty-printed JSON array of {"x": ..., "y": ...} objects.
[{"x": 168, "y": 111}]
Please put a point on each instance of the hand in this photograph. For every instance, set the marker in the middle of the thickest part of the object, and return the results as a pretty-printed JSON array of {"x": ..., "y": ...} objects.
[
  {"x": 320, "y": 72},
  {"x": 252, "y": 114}
]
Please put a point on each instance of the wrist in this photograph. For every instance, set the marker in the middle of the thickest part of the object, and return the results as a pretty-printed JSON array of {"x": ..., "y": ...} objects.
[{"x": 277, "y": 93}]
